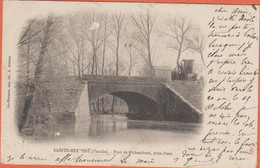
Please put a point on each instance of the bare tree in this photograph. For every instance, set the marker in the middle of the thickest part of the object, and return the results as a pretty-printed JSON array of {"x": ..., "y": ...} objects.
[
  {"x": 196, "y": 43},
  {"x": 47, "y": 33},
  {"x": 144, "y": 24},
  {"x": 26, "y": 52},
  {"x": 75, "y": 40},
  {"x": 95, "y": 36},
  {"x": 27, "y": 36},
  {"x": 117, "y": 33},
  {"x": 104, "y": 48},
  {"x": 178, "y": 31},
  {"x": 133, "y": 59}
]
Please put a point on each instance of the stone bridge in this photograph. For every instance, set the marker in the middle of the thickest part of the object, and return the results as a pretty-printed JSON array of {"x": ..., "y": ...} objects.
[{"x": 146, "y": 98}]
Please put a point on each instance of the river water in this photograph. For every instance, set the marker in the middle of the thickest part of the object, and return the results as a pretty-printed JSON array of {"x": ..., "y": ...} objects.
[{"x": 118, "y": 128}]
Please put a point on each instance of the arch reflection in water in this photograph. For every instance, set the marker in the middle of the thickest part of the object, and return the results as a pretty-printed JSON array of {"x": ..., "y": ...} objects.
[
  {"x": 104, "y": 124},
  {"x": 118, "y": 128}
]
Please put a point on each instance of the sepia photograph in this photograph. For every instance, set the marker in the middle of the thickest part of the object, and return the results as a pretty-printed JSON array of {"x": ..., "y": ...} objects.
[
  {"x": 109, "y": 74},
  {"x": 129, "y": 84}
]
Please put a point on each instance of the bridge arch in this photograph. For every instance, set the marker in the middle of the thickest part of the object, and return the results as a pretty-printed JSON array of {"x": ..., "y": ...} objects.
[
  {"x": 139, "y": 105},
  {"x": 98, "y": 89}
]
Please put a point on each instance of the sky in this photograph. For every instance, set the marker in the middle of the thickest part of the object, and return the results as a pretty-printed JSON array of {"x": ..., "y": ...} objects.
[{"x": 199, "y": 14}]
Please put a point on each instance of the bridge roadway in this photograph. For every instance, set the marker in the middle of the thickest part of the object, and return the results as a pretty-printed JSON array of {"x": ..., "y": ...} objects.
[
  {"x": 124, "y": 79},
  {"x": 147, "y": 98}
]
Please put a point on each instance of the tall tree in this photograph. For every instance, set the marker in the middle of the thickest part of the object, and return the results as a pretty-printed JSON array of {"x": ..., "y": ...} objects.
[
  {"x": 178, "y": 29},
  {"x": 75, "y": 40},
  {"x": 95, "y": 36},
  {"x": 132, "y": 56},
  {"x": 27, "y": 48},
  {"x": 196, "y": 43},
  {"x": 117, "y": 33},
  {"x": 47, "y": 33},
  {"x": 104, "y": 48},
  {"x": 144, "y": 24},
  {"x": 25, "y": 52}
]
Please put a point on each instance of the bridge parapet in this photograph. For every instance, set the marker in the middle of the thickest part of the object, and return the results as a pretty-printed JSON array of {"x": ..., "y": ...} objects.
[{"x": 124, "y": 79}]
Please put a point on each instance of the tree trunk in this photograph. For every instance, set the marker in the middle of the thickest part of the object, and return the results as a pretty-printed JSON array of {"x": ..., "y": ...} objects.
[
  {"x": 130, "y": 60},
  {"x": 102, "y": 103},
  {"x": 96, "y": 65},
  {"x": 149, "y": 56},
  {"x": 178, "y": 65},
  {"x": 79, "y": 69},
  {"x": 129, "y": 71},
  {"x": 117, "y": 55},
  {"x": 82, "y": 63},
  {"x": 104, "y": 48},
  {"x": 113, "y": 104},
  {"x": 98, "y": 108},
  {"x": 74, "y": 69},
  {"x": 103, "y": 61},
  {"x": 94, "y": 107},
  {"x": 202, "y": 59},
  {"x": 37, "y": 75},
  {"x": 178, "y": 60},
  {"x": 28, "y": 67},
  {"x": 93, "y": 62}
]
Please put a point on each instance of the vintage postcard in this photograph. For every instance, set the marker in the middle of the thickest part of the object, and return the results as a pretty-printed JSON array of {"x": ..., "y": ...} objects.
[{"x": 129, "y": 84}]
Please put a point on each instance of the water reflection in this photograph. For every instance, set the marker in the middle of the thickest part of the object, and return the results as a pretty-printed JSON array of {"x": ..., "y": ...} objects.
[
  {"x": 120, "y": 128},
  {"x": 103, "y": 125}
]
